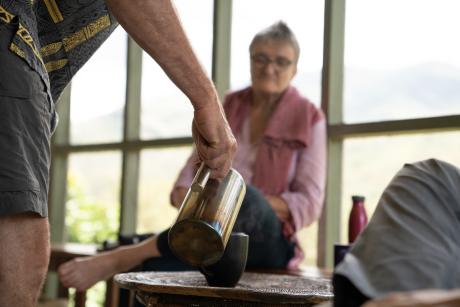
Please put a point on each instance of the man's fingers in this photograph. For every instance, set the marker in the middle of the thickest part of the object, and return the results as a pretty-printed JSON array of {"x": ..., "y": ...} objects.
[
  {"x": 219, "y": 173},
  {"x": 208, "y": 153},
  {"x": 210, "y": 150},
  {"x": 219, "y": 166},
  {"x": 217, "y": 160}
]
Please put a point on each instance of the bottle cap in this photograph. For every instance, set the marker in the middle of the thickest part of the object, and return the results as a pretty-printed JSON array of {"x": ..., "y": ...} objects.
[{"x": 357, "y": 198}]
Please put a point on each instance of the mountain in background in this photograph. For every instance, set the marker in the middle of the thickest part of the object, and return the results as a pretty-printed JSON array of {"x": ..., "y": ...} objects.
[
  {"x": 421, "y": 91},
  {"x": 426, "y": 90}
]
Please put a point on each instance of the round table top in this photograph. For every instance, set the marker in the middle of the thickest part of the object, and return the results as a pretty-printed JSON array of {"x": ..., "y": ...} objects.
[{"x": 256, "y": 287}]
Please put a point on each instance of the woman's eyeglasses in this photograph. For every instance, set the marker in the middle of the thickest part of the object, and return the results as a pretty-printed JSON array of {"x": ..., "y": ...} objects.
[{"x": 262, "y": 60}]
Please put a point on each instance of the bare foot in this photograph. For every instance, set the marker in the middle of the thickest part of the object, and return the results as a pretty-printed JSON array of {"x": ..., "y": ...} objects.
[{"x": 82, "y": 273}]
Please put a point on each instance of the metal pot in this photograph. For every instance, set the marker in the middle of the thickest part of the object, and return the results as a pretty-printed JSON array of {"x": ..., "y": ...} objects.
[{"x": 206, "y": 218}]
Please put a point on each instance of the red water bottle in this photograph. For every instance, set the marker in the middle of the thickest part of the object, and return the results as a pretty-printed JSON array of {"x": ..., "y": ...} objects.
[{"x": 358, "y": 218}]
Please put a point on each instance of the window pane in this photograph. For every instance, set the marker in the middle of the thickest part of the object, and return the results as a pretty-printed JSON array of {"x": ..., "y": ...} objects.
[
  {"x": 399, "y": 65},
  {"x": 308, "y": 240},
  {"x": 159, "y": 171},
  {"x": 370, "y": 163},
  {"x": 93, "y": 189},
  {"x": 98, "y": 94},
  {"x": 305, "y": 18},
  {"x": 166, "y": 112}
]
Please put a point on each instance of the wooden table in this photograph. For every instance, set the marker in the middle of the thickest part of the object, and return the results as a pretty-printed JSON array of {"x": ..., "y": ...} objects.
[
  {"x": 254, "y": 289},
  {"x": 61, "y": 253}
]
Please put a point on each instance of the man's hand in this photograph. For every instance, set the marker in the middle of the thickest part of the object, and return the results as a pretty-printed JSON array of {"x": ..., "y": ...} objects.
[
  {"x": 178, "y": 196},
  {"x": 215, "y": 143}
]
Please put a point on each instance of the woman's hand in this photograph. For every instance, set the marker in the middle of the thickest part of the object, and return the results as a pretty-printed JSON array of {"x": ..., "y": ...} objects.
[{"x": 280, "y": 207}]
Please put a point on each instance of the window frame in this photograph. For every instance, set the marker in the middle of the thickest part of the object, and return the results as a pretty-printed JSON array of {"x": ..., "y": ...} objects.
[{"x": 131, "y": 144}]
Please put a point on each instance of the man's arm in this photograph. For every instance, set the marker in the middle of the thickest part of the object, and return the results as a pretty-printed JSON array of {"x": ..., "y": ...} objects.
[{"x": 155, "y": 26}]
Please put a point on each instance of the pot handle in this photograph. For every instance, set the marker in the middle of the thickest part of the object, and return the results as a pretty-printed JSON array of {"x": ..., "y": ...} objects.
[{"x": 201, "y": 178}]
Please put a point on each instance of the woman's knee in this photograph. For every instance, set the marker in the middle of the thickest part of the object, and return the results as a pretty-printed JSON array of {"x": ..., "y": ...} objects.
[
  {"x": 256, "y": 215},
  {"x": 254, "y": 205}
]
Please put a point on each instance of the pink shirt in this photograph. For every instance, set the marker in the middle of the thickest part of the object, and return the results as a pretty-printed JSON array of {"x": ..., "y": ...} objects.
[{"x": 304, "y": 192}]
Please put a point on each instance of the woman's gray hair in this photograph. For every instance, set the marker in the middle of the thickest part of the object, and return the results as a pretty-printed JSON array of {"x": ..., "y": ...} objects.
[{"x": 279, "y": 31}]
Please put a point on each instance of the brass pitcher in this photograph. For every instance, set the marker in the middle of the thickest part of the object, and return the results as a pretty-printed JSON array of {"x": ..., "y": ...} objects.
[{"x": 206, "y": 217}]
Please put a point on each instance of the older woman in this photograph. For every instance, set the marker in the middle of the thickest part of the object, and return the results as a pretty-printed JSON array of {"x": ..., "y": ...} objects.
[{"x": 281, "y": 156}]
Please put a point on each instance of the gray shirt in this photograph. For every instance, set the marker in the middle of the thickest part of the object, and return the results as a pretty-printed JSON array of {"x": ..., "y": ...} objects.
[{"x": 413, "y": 239}]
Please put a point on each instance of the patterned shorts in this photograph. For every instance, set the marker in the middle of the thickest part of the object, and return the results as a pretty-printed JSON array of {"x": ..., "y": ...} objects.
[{"x": 25, "y": 117}]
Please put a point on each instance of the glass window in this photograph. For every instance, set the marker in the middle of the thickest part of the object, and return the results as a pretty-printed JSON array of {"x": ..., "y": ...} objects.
[
  {"x": 370, "y": 163},
  {"x": 93, "y": 190},
  {"x": 158, "y": 173},
  {"x": 401, "y": 60},
  {"x": 98, "y": 94},
  {"x": 308, "y": 240},
  {"x": 305, "y": 18},
  {"x": 166, "y": 111},
  {"x": 92, "y": 206}
]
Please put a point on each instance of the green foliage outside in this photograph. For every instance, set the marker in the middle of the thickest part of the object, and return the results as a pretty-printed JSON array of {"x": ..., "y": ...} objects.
[{"x": 89, "y": 221}]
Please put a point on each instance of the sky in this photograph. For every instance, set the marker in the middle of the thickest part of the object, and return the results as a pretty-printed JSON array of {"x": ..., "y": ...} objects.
[{"x": 389, "y": 34}]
